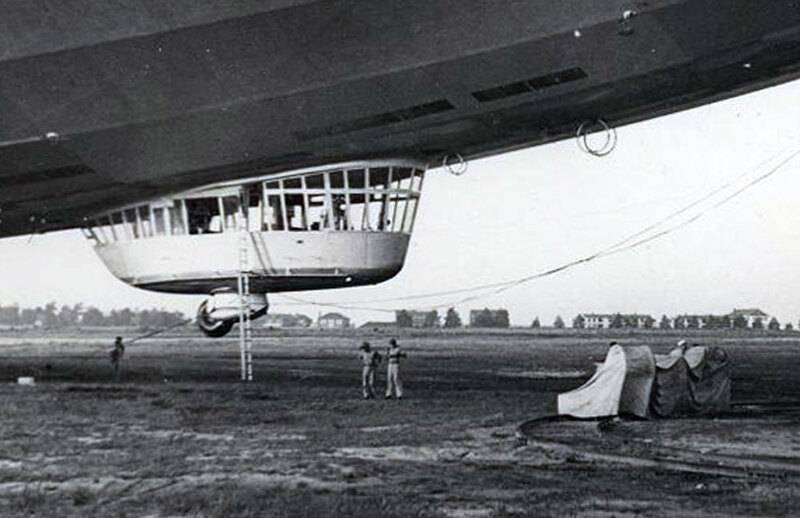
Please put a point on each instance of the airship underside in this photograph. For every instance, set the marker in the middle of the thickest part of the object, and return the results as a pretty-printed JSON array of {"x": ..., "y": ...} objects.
[{"x": 104, "y": 105}]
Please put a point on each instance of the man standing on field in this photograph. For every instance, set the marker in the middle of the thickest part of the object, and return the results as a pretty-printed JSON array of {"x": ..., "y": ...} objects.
[
  {"x": 393, "y": 382},
  {"x": 369, "y": 363},
  {"x": 116, "y": 355}
]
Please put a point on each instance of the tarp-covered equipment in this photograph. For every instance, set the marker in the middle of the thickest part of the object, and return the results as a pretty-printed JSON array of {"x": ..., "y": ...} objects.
[{"x": 632, "y": 380}]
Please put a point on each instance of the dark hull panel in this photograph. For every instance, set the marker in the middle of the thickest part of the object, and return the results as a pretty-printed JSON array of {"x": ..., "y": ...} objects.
[
  {"x": 271, "y": 284},
  {"x": 142, "y": 98}
]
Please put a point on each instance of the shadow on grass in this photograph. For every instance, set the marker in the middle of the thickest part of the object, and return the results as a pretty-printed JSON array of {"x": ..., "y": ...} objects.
[{"x": 251, "y": 502}]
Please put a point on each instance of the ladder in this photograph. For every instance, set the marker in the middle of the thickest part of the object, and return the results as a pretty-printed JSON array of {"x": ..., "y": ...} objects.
[{"x": 243, "y": 287}]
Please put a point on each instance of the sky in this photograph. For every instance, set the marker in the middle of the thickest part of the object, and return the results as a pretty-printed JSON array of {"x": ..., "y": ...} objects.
[{"x": 524, "y": 212}]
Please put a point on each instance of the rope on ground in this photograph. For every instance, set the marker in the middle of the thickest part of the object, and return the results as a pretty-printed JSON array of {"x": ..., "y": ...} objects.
[{"x": 157, "y": 331}]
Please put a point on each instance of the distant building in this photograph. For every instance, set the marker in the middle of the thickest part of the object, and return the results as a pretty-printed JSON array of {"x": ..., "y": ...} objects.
[
  {"x": 738, "y": 318},
  {"x": 333, "y": 321},
  {"x": 753, "y": 317},
  {"x": 691, "y": 321},
  {"x": 284, "y": 320},
  {"x": 418, "y": 319},
  {"x": 596, "y": 321},
  {"x": 615, "y": 320}
]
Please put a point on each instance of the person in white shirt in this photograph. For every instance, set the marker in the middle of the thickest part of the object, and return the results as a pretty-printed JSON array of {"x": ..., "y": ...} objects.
[{"x": 393, "y": 383}]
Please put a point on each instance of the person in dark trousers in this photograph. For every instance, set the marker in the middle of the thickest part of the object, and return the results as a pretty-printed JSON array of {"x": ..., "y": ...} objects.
[
  {"x": 393, "y": 383},
  {"x": 370, "y": 360},
  {"x": 116, "y": 357}
]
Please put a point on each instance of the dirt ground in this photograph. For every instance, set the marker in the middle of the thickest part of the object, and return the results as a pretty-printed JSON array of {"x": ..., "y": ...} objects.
[{"x": 180, "y": 436}]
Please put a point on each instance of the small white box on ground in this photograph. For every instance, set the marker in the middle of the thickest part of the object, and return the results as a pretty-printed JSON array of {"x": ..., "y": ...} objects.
[{"x": 25, "y": 380}]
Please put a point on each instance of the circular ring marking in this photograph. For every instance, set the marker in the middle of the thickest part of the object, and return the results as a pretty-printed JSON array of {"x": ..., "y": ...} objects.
[
  {"x": 586, "y": 128},
  {"x": 456, "y": 168}
]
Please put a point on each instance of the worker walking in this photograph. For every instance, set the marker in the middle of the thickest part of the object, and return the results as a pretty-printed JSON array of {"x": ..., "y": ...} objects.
[
  {"x": 393, "y": 383},
  {"x": 116, "y": 357},
  {"x": 370, "y": 360}
]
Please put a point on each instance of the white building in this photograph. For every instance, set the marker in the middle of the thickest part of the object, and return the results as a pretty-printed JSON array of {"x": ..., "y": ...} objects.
[
  {"x": 333, "y": 321},
  {"x": 279, "y": 320},
  {"x": 606, "y": 320},
  {"x": 596, "y": 321},
  {"x": 751, "y": 316}
]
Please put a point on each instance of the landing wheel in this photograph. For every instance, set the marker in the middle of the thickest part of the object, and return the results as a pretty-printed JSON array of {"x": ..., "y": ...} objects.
[{"x": 211, "y": 327}]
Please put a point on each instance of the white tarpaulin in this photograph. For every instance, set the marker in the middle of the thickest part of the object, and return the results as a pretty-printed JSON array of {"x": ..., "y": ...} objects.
[{"x": 621, "y": 385}]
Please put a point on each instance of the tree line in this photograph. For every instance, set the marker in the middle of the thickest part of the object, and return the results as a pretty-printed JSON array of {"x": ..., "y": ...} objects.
[
  {"x": 52, "y": 316},
  {"x": 479, "y": 318},
  {"x": 619, "y": 321}
]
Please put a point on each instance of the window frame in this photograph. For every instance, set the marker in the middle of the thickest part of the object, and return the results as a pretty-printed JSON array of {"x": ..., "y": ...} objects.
[{"x": 389, "y": 203}]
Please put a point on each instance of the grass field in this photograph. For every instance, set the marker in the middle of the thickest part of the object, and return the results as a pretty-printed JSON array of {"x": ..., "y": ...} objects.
[{"x": 180, "y": 436}]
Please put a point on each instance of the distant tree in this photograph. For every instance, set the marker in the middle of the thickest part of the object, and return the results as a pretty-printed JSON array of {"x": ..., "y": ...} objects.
[
  {"x": 403, "y": 318},
  {"x": 27, "y": 316},
  {"x": 175, "y": 317},
  {"x": 578, "y": 322},
  {"x": 432, "y": 319},
  {"x": 502, "y": 319},
  {"x": 484, "y": 318},
  {"x": 629, "y": 321},
  {"x": 121, "y": 317},
  {"x": 558, "y": 323},
  {"x": 617, "y": 322},
  {"x": 93, "y": 317},
  {"x": 649, "y": 322},
  {"x": 774, "y": 325},
  {"x": 49, "y": 316},
  {"x": 788, "y": 327},
  {"x": 489, "y": 318},
  {"x": 9, "y": 315},
  {"x": 758, "y": 323},
  {"x": 536, "y": 324},
  {"x": 664, "y": 324},
  {"x": 157, "y": 318},
  {"x": 146, "y": 320},
  {"x": 740, "y": 322},
  {"x": 451, "y": 319},
  {"x": 68, "y": 316},
  {"x": 692, "y": 322},
  {"x": 717, "y": 322}
]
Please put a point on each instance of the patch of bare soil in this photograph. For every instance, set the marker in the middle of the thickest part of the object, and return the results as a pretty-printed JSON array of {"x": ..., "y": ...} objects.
[{"x": 180, "y": 437}]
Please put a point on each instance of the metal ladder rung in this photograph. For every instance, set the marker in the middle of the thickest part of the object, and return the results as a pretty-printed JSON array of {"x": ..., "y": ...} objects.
[{"x": 243, "y": 288}]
